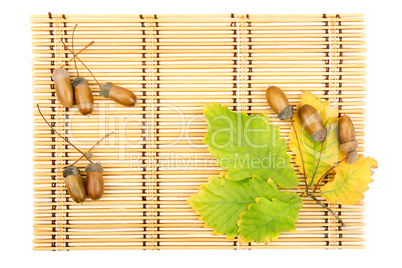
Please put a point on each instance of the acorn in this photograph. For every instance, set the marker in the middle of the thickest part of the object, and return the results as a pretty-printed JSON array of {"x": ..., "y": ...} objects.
[
  {"x": 83, "y": 96},
  {"x": 119, "y": 94},
  {"x": 62, "y": 84},
  {"x": 279, "y": 103},
  {"x": 312, "y": 122},
  {"x": 347, "y": 134},
  {"x": 94, "y": 182},
  {"x": 75, "y": 184}
]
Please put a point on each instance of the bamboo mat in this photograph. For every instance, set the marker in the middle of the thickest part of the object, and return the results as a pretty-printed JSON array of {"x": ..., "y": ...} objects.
[{"x": 157, "y": 159}]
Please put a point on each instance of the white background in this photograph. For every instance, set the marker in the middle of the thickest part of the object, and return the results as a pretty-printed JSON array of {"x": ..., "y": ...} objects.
[{"x": 384, "y": 95}]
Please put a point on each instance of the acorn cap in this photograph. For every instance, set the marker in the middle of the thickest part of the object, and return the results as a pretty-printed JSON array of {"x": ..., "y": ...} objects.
[
  {"x": 349, "y": 146},
  {"x": 352, "y": 157},
  {"x": 320, "y": 135},
  {"x": 105, "y": 88},
  {"x": 94, "y": 167},
  {"x": 287, "y": 113},
  {"x": 78, "y": 81},
  {"x": 70, "y": 171},
  {"x": 60, "y": 73}
]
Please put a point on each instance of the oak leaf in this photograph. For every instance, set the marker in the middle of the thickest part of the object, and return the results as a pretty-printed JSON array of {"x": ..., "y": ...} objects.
[
  {"x": 220, "y": 202},
  {"x": 266, "y": 219},
  {"x": 248, "y": 145},
  {"x": 350, "y": 182}
]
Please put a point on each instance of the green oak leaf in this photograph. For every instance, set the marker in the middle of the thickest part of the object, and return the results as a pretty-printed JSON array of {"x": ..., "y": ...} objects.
[
  {"x": 220, "y": 202},
  {"x": 265, "y": 220},
  {"x": 247, "y": 146}
]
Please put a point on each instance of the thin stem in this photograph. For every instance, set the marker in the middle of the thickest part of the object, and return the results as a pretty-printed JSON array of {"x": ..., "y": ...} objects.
[
  {"x": 301, "y": 155},
  {"x": 73, "y": 57},
  {"x": 327, "y": 208},
  {"x": 82, "y": 63},
  {"x": 323, "y": 176},
  {"x": 61, "y": 135},
  {"x": 304, "y": 198},
  {"x": 318, "y": 163},
  {"x": 328, "y": 171},
  {"x": 72, "y": 46},
  {"x": 92, "y": 148}
]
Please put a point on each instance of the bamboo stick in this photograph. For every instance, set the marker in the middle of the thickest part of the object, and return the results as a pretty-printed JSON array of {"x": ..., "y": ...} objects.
[
  {"x": 210, "y": 58},
  {"x": 203, "y": 35},
  {"x": 206, "y": 66},
  {"x": 205, "y": 247},
  {"x": 347, "y": 15},
  {"x": 171, "y": 218},
  {"x": 199, "y": 20},
  {"x": 139, "y": 211},
  {"x": 115, "y": 51},
  {"x": 178, "y": 225},
  {"x": 215, "y": 74},
  {"x": 191, "y": 239},
  {"x": 182, "y": 232},
  {"x": 216, "y": 43},
  {"x": 201, "y": 28}
]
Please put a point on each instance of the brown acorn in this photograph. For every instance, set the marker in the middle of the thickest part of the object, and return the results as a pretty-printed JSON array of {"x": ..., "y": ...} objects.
[
  {"x": 62, "y": 84},
  {"x": 83, "y": 96},
  {"x": 94, "y": 182},
  {"x": 119, "y": 94},
  {"x": 312, "y": 123},
  {"x": 75, "y": 184},
  {"x": 279, "y": 103},
  {"x": 347, "y": 134}
]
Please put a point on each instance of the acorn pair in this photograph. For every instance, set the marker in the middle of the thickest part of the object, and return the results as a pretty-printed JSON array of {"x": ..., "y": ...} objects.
[
  {"x": 309, "y": 116},
  {"x": 94, "y": 186},
  {"x": 82, "y": 94}
]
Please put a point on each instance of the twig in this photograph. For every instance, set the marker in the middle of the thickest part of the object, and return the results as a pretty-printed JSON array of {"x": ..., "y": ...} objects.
[
  {"x": 73, "y": 57},
  {"x": 91, "y": 148},
  {"x": 72, "y": 46},
  {"x": 82, "y": 63},
  {"x": 327, "y": 208},
  {"x": 61, "y": 135},
  {"x": 301, "y": 155}
]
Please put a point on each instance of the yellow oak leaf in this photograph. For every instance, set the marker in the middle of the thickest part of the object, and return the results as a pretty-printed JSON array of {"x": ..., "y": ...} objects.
[
  {"x": 331, "y": 152},
  {"x": 350, "y": 182}
]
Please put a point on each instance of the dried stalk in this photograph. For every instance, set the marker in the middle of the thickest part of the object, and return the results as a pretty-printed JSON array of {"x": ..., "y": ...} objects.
[
  {"x": 301, "y": 155},
  {"x": 61, "y": 135},
  {"x": 91, "y": 148},
  {"x": 73, "y": 57},
  {"x": 72, "y": 46},
  {"x": 327, "y": 208}
]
